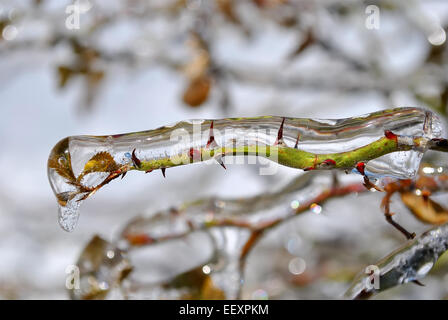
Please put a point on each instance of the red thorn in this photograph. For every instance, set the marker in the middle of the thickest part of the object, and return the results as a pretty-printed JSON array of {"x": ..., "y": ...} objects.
[
  {"x": 148, "y": 171},
  {"x": 280, "y": 133},
  {"x": 163, "y": 172},
  {"x": 360, "y": 167},
  {"x": 135, "y": 160},
  {"x": 297, "y": 141},
  {"x": 211, "y": 138},
  {"x": 390, "y": 135},
  {"x": 309, "y": 168},
  {"x": 123, "y": 174},
  {"x": 329, "y": 162}
]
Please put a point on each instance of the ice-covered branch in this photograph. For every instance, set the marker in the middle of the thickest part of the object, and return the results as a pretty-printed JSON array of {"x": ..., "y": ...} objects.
[
  {"x": 389, "y": 142},
  {"x": 410, "y": 263}
]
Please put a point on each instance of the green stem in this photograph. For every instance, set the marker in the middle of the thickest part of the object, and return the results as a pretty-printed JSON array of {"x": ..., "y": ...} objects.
[{"x": 288, "y": 156}]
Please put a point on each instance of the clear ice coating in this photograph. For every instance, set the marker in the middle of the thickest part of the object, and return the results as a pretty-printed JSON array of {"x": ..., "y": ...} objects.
[
  {"x": 409, "y": 263},
  {"x": 102, "y": 266},
  {"x": 79, "y": 165}
]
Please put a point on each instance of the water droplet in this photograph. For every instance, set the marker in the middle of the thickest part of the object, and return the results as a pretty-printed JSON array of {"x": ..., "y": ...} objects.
[
  {"x": 206, "y": 269},
  {"x": 315, "y": 208},
  {"x": 438, "y": 37},
  {"x": 294, "y": 245},
  {"x": 295, "y": 204},
  {"x": 10, "y": 32},
  {"x": 297, "y": 266}
]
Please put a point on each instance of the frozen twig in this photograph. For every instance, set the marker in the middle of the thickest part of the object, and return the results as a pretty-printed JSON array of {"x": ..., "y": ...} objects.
[
  {"x": 410, "y": 263},
  {"x": 389, "y": 142}
]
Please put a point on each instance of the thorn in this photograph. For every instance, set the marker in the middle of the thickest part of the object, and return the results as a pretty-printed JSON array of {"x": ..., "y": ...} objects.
[
  {"x": 135, "y": 160},
  {"x": 329, "y": 162},
  {"x": 163, "y": 172},
  {"x": 308, "y": 169},
  {"x": 123, "y": 174},
  {"x": 297, "y": 141},
  {"x": 418, "y": 283},
  {"x": 363, "y": 295},
  {"x": 211, "y": 138},
  {"x": 390, "y": 135},
  {"x": 280, "y": 134},
  {"x": 221, "y": 163},
  {"x": 148, "y": 171},
  {"x": 360, "y": 167}
]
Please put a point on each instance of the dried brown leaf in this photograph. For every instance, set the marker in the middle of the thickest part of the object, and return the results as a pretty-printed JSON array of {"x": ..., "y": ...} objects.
[
  {"x": 425, "y": 209},
  {"x": 197, "y": 91},
  {"x": 100, "y": 162},
  {"x": 60, "y": 160}
]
